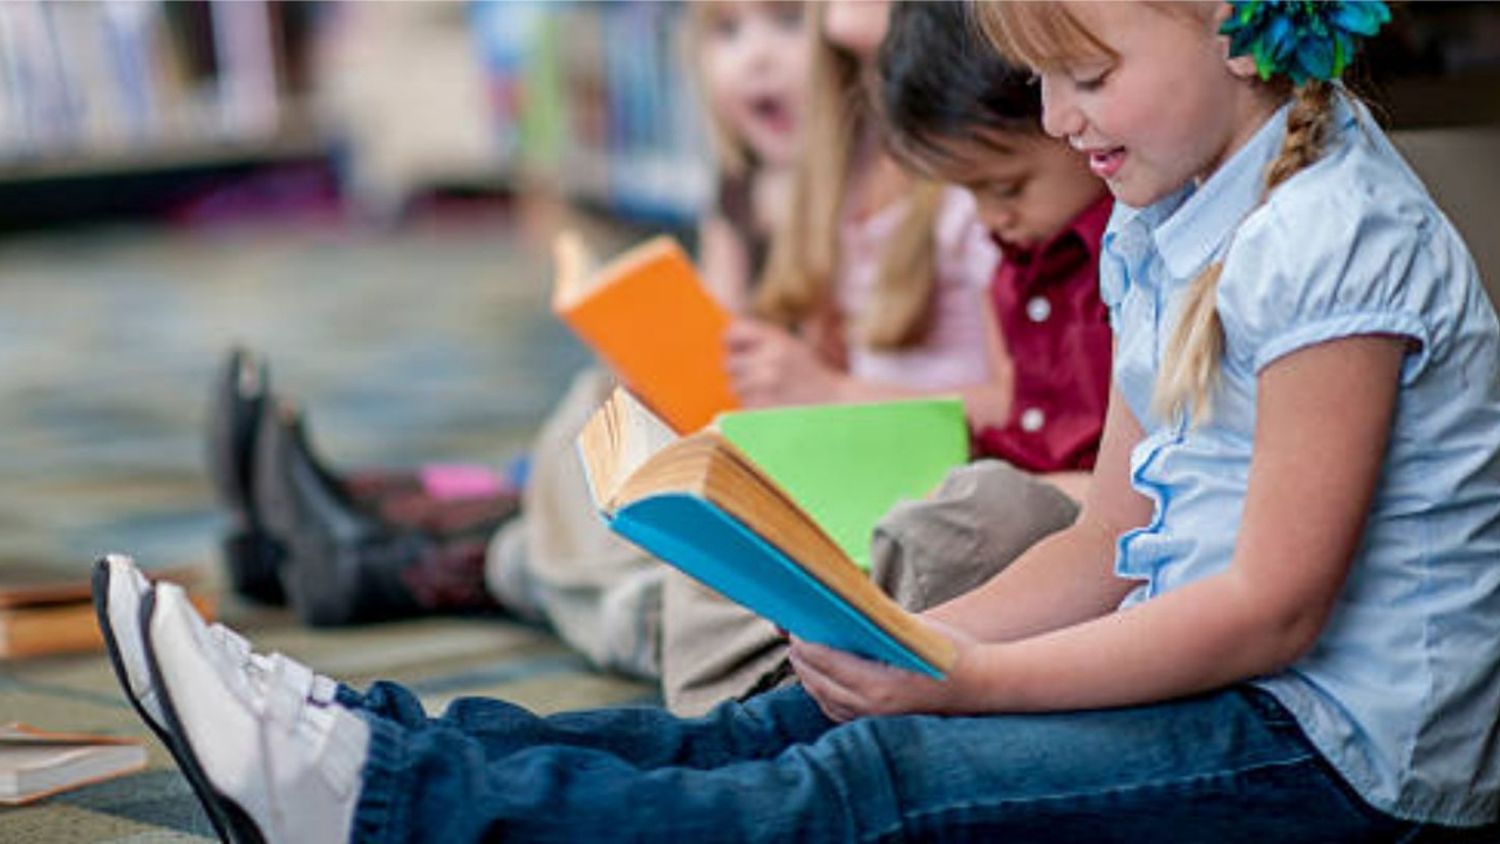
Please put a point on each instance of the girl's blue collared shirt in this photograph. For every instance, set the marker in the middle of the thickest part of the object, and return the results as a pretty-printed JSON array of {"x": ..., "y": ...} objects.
[{"x": 1402, "y": 691}]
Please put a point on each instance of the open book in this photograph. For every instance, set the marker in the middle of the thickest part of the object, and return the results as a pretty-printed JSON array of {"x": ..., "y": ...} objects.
[
  {"x": 36, "y": 763},
  {"x": 772, "y": 508},
  {"x": 649, "y": 317}
]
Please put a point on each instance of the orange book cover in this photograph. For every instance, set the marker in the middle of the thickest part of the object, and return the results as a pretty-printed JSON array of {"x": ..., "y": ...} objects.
[{"x": 648, "y": 315}]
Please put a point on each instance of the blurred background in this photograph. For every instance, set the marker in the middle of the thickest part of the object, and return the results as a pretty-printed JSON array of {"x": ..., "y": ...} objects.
[{"x": 364, "y": 192}]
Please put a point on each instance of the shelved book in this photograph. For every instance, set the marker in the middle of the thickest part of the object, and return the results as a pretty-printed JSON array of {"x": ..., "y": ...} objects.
[
  {"x": 649, "y": 317},
  {"x": 774, "y": 508},
  {"x": 37, "y": 763},
  {"x": 47, "y": 610}
]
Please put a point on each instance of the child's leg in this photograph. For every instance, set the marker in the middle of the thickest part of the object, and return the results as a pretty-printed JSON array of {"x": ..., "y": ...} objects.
[
  {"x": 1230, "y": 766},
  {"x": 645, "y": 736},
  {"x": 1227, "y": 767},
  {"x": 425, "y": 498},
  {"x": 384, "y": 699},
  {"x": 712, "y": 649},
  {"x": 983, "y": 517},
  {"x": 560, "y": 563}
]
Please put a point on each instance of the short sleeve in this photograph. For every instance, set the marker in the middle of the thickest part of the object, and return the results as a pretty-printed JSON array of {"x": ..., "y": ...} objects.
[{"x": 1316, "y": 268}]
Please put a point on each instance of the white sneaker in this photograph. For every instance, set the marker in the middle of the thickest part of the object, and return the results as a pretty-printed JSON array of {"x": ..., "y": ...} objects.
[
  {"x": 120, "y": 588},
  {"x": 272, "y": 764}
]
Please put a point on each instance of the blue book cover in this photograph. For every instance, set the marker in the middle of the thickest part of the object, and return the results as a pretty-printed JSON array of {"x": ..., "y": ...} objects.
[{"x": 709, "y": 544}]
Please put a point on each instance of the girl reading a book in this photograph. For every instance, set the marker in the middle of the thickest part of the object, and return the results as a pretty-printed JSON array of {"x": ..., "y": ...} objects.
[
  {"x": 367, "y": 545},
  {"x": 1276, "y": 619}
]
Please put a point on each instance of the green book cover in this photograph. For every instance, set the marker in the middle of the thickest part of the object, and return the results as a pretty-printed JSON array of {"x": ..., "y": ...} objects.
[{"x": 848, "y": 464}]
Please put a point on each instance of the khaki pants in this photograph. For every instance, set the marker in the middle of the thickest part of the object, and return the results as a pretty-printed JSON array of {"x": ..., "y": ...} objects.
[
  {"x": 558, "y": 563},
  {"x": 923, "y": 553}
]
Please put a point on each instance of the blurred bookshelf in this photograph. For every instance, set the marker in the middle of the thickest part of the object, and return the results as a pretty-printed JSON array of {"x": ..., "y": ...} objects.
[
  {"x": 119, "y": 86},
  {"x": 593, "y": 100},
  {"x": 146, "y": 100},
  {"x": 115, "y": 106},
  {"x": 585, "y": 102}
]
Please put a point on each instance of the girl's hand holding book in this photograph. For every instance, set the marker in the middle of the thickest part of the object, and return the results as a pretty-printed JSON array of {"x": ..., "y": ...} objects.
[{"x": 848, "y": 687}]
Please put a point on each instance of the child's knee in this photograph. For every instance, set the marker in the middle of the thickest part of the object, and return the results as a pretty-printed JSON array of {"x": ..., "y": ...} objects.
[{"x": 983, "y": 516}]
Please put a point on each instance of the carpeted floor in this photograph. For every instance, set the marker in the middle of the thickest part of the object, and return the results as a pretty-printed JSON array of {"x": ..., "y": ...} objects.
[{"x": 428, "y": 343}]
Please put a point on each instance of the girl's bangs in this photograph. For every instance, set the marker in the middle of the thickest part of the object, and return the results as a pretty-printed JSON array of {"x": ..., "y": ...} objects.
[{"x": 1040, "y": 34}]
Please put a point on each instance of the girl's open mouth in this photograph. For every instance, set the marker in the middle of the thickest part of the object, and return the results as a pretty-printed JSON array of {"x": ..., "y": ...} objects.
[
  {"x": 1106, "y": 163},
  {"x": 772, "y": 111}
]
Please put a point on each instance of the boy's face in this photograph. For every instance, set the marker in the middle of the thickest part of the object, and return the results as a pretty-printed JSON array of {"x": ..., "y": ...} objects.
[{"x": 1029, "y": 187}]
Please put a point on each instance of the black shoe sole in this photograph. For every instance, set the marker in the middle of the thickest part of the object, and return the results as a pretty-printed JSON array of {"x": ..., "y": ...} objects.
[
  {"x": 232, "y": 823},
  {"x": 100, "y": 586}
]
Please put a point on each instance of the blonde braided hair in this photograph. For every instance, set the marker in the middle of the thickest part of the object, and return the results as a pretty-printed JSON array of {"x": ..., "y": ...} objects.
[{"x": 1190, "y": 366}]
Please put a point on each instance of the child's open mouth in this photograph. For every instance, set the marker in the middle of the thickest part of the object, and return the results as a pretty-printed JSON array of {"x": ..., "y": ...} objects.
[
  {"x": 1105, "y": 163},
  {"x": 772, "y": 111}
]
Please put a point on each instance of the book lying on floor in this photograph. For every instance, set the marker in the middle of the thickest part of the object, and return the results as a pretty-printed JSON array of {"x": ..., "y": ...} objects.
[
  {"x": 772, "y": 508},
  {"x": 36, "y": 763},
  {"x": 649, "y": 317},
  {"x": 47, "y": 610}
]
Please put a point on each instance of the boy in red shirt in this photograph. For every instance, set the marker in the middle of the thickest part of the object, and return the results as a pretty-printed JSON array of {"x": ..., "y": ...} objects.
[
  {"x": 954, "y": 111},
  {"x": 960, "y": 113}
]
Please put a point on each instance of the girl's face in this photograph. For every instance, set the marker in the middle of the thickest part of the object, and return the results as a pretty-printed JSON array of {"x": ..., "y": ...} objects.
[
  {"x": 1166, "y": 109},
  {"x": 756, "y": 60},
  {"x": 857, "y": 26}
]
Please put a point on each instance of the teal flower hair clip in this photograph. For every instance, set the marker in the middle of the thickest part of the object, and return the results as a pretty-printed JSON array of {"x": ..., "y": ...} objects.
[{"x": 1302, "y": 39}]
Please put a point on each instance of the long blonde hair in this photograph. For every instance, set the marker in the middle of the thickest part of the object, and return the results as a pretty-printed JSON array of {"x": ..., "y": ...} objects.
[
  {"x": 798, "y": 282},
  {"x": 1043, "y": 34}
]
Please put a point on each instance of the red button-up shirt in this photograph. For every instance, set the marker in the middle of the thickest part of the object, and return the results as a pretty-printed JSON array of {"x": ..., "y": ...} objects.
[{"x": 1056, "y": 329}]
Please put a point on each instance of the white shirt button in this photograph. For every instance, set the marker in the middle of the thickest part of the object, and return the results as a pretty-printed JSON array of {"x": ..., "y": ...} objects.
[
  {"x": 1038, "y": 309},
  {"x": 1032, "y": 420}
]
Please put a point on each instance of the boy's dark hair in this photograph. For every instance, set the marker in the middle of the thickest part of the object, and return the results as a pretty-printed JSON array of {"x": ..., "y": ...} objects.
[{"x": 941, "y": 82}]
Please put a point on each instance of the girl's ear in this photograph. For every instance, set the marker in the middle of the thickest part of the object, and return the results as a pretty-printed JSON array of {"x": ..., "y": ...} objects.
[{"x": 1242, "y": 67}]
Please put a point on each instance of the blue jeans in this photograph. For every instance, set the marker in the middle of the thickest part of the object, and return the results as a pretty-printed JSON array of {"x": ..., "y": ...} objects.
[{"x": 1226, "y": 767}]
